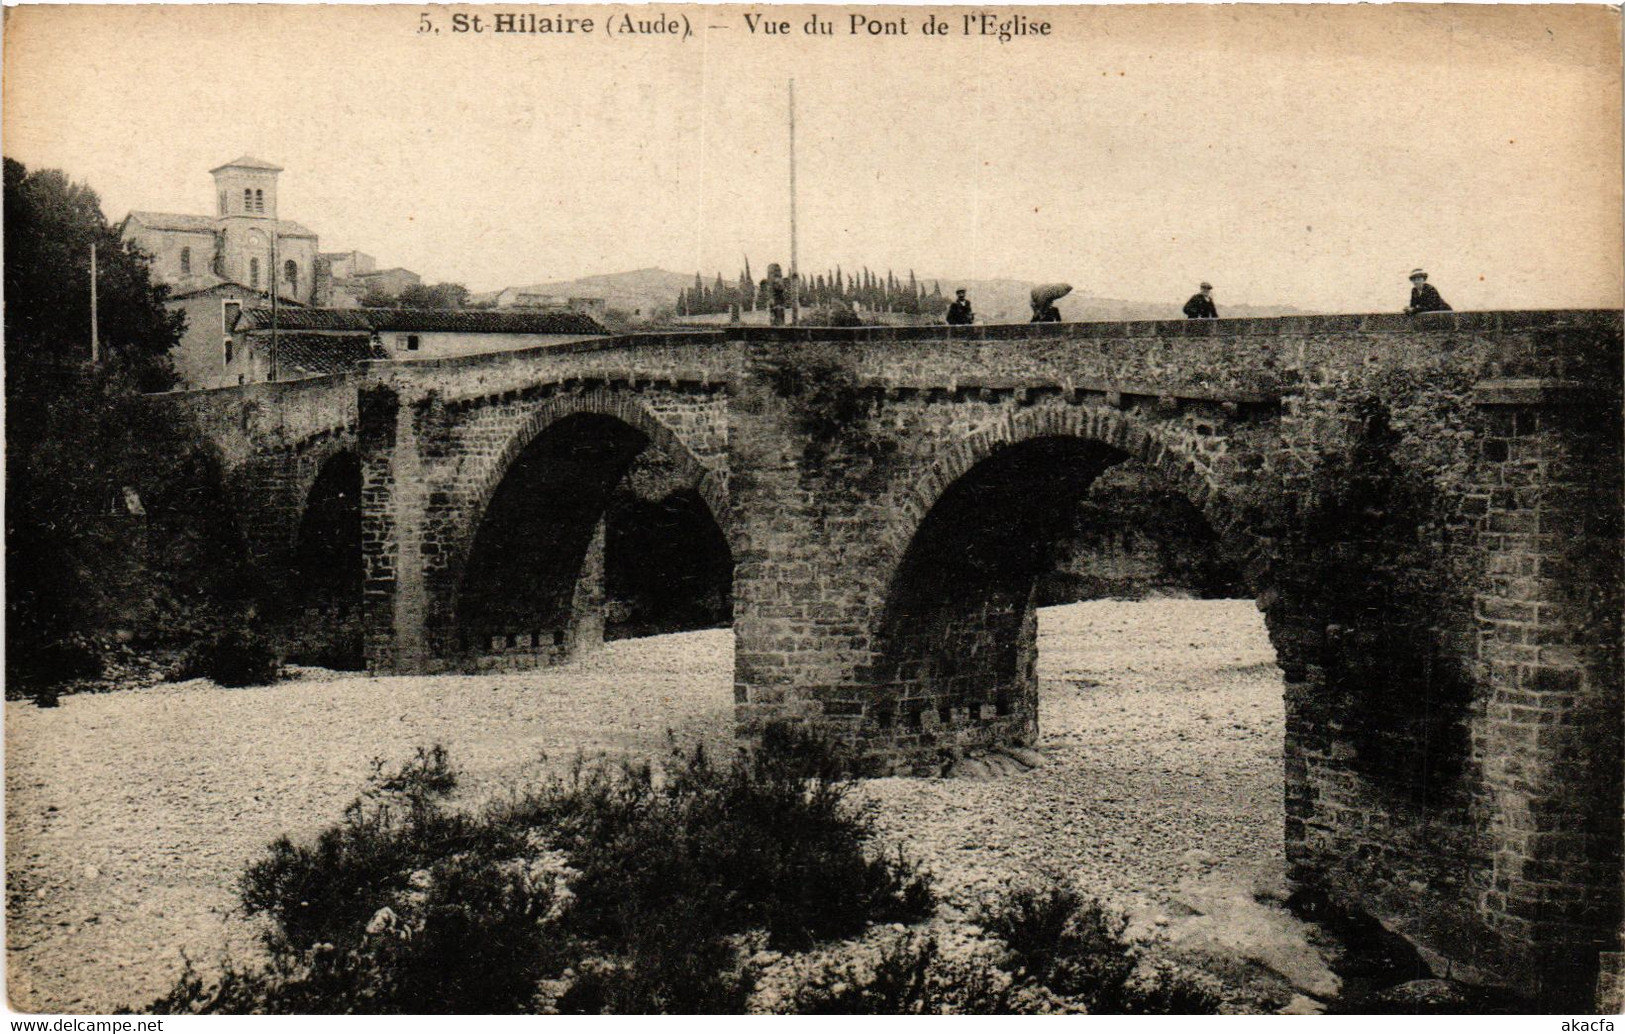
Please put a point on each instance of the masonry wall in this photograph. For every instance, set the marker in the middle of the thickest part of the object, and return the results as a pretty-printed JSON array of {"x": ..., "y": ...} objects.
[{"x": 1444, "y": 768}]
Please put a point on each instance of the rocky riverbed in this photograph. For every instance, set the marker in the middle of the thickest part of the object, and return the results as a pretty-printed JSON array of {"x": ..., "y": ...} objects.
[{"x": 129, "y": 815}]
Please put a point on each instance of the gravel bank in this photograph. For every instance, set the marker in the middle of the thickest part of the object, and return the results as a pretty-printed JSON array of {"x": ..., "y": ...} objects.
[{"x": 129, "y": 815}]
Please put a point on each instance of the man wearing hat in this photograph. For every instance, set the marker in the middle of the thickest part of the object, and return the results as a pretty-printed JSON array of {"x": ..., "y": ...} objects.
[
  {"x": 1201, "y": 307},
  {"x": 1424, "y": 296},
  {"x": 959, "y": 313}
]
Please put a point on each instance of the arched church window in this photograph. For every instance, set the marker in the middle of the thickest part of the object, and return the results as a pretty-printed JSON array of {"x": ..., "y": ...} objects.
[
  {"x": 253, "y": 272},
  {"x": 259, "y": 200},
  {"x": 186, "y": 261},
  {"x": 290, "y": 273},
  {"x": 248, "y": 200}
]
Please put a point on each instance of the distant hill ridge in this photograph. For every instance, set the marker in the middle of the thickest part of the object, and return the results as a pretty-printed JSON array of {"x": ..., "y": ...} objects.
[{"x": 645, "y": 291}]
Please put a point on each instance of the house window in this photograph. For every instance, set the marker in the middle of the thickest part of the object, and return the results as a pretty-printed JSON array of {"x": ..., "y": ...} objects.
[
  {"x": 228, "y": 316},
  {"x": 406, "y": 342},
  {"x": 228, "y": 351},
  {"x": 186, "y": 261},
  {"x": 290, "y": 273}
]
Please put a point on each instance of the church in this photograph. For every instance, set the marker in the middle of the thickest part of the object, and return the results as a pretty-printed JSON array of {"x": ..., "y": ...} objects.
[
  {"x": 218, "y": 265},
  {"x": 193, "y": 252}
]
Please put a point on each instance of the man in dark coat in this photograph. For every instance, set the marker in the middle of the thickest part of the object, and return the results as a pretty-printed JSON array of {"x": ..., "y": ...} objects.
[
  {"x": 959, "y": 312},
  {"x": 1424, "y": 296},
  {"x": 1201, "y": 307}
]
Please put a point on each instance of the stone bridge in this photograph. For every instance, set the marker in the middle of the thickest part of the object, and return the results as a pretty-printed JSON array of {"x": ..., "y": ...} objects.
[{"x": 1426, "y": 509}]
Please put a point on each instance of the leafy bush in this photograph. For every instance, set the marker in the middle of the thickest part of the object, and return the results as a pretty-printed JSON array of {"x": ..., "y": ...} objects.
[
  {"x": 235, "y": 658},
  {"x": 1075, "y": 947},
  {"x": 608, "y": 890},
  {"x": 911, "y": 978},
  {"x": 768, "y": 842}
]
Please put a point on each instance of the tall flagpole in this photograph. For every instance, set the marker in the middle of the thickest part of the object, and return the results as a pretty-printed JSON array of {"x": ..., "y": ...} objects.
[
  {"x": 95, "y": 332},
  {"x": 274, "y": 292},
  {"x": 795, "y": 277}
]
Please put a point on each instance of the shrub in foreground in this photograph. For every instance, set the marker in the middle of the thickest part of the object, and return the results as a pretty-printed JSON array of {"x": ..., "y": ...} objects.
[
  {"x": 234, "y": 658},
  {"x": 609, "y": 890},
  {"x": 911, "y": 977},
  {"x": 1075, "y": 947}
]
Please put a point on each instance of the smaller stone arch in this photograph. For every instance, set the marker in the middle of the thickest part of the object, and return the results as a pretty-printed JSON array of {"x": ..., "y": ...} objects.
[
  {"x": 625, "y": 407},
  {"x": 456, "y": 619}
]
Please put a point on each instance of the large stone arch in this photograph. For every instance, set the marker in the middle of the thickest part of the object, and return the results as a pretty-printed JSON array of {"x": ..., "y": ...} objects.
[
  {"x": 955, "y": 637},
  {"x": 481, "y": 484},
  {"x": 1189, "y": 460}
]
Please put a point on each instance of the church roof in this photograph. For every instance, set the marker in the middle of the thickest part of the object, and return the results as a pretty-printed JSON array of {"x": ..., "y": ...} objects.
[
  {"x": 208, "y": 223},
  {"x": 231, "y": 287},
  {"x": 247, "y": 162},
  {"x": 175, "y": 221}
]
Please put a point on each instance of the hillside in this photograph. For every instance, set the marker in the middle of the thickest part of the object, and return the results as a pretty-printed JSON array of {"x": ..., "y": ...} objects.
[{"x": 642, "y": 292}]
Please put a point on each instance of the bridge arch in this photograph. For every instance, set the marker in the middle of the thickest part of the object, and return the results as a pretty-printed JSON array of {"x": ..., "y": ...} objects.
[
  {"x": 956, "y": 636},
  {"x": 1166, "y": 446},
  {"x": 325, "y": 571},
  {"x": 526, "y": 572}
]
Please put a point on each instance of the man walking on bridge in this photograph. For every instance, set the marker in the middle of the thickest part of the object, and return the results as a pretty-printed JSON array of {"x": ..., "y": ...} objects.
[
  {"x": 1424, "y": 296},
  {"x": 1201, "y": 306},
  {"x": 959, "y": 312}
]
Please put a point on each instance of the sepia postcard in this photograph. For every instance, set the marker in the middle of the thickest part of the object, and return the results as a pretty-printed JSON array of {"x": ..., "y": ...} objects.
[{"x": 707, "y": 509}]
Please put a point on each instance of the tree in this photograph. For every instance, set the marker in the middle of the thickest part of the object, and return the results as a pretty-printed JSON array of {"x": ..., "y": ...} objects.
[
  {"x": 115, "y": 518},
  {"x": 377, "y": 298},
  {"x": 440, "y": 296}
]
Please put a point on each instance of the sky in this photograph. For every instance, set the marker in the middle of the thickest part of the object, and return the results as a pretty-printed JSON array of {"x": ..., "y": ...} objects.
[{"x": 1307, "y": 156}]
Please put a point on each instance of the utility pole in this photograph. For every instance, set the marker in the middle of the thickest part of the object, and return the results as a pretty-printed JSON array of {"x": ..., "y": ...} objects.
[
  {"x": 95, "y": 330},
  {"x": 795, "y": 275},
  {"x": 275, "y": 272}
]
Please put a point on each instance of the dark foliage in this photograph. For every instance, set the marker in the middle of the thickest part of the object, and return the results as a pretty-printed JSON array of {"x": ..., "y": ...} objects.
[
  {"x": 768, "y": 842},
  {"x": 831, "y": 410},
  {"x": 1362, "y": 541},
  {"x": 911, "y": 978},
  {"x": 236, "y": 657},
  {"x": 116, "y": 524},
  {"x": 627, "y": 892},
  {"x": 1074, "y": 946}
]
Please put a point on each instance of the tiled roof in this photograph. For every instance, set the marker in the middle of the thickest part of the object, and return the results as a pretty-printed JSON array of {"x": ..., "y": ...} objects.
[
  {"x": 316, "y": 355},
  {"x": 247, "y": 162},
  {"x": 307, "y": 319},
  {"x": 208, "y": 223},
  {"x": 448, "y": 321},
  {"x": 484, "y": 321}
]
